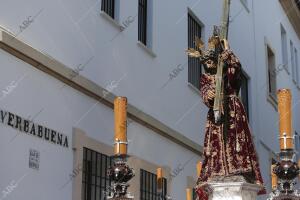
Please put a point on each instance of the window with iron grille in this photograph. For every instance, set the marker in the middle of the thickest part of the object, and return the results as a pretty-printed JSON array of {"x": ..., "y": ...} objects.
[
  {"x": 194, "y": 194},
  {"x": 95, "y": 181},
  {"x": 142, "y": 22},
  {"x": 244, "y": 93},
  {"x": 108, "y": 6},
  {"x": 272, "y": 88},
  {"x": 284, "y": 47},
  {"x": 194, "y": 66},
  {"x": 296, "y": 66},
  {"x": 294, "y": 74},
  {"x": 297, "y": 145},
  {"x": 148, "y": 186}
]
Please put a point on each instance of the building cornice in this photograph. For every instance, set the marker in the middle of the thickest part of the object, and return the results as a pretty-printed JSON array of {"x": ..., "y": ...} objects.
[
  {"x": 51, "y": 66},
  {"x": 292, "y": 11}
]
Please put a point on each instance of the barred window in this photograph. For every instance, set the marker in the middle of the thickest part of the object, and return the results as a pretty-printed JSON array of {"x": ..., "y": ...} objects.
[
  {"x": 194, "y": 194},
  {"x": 271, "y": 74},
  {"x": 244, "y": 92},
  {"x": 194, "y": 66},
  {"x": 142, "y": 22},
  {"x": 95, "y": 181},
  {"x": 293, "y": 63},
  {"x": 108, "y": 6},
  {"x": 148, "y": 186},
  {"x": 284, "y": 48},
  {"x": 296, "y": 67},
  {"x": 297, "y": 144}
]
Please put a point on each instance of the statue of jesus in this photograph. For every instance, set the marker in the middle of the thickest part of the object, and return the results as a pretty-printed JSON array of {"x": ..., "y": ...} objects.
[{"x": 228, "y": 146}]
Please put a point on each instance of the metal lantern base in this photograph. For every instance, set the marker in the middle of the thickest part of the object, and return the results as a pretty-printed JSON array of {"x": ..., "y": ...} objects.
[
  {"x": 120, "y": 174},
  {"x": 287, "y": 171},
  {"x": 276, "y": 195}
]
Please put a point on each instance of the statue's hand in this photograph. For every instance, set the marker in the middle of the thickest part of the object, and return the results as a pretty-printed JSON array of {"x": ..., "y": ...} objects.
[
  {"x": 211, "y": 94},
  {"x": 226, "y": 54},
  {"x": 225, "y": 44},
  {"x": 217, "y": 116}
]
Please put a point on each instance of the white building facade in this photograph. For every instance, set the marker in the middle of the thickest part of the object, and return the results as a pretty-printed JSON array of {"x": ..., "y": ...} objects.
[{"x": 63, "y": 62}]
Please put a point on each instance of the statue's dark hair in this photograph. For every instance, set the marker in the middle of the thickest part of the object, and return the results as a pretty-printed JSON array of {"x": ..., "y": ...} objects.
[{"x": 209, "y": 55}]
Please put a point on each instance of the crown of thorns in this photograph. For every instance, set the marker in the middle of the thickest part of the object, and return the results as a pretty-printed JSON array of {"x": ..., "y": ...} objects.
[{"x": 200, "y": 52}]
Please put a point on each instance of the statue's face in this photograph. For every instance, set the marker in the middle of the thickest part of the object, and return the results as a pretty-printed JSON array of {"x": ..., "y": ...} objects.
[{"x": 210, "y": 64}]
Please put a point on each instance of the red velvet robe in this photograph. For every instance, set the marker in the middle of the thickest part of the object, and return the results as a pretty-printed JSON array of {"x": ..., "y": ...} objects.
[{"x": 237, "y": 155}]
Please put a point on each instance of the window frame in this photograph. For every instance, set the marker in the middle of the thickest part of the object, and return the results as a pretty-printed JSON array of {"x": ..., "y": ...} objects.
[
  {"x": 147, "y": 43},
  {"x": 272, "y": 98},
  {"x": 88, "y": 177},
  {"x": 80, "y": 140},
  {"x": 194, "y": 81},
  {"x": 194, "y": 194},
  {"x": 292, "y": 57},
  {"x": 297, "y": 145},
  {"x": 247, "y": 106},
  {"x": 143, "y": 22},
  {"x": 296, "y": 66},
  {"x": 284, "y": 49},
  {"x": 106, "y": 8},
  {"x": 151, "y": 179}
]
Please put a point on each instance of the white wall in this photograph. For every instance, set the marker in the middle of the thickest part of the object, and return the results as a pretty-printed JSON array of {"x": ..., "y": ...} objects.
[
  {"x": 56, "y": 32},
  {"x": 73, "y": 31},
  {"x": 41, "y": 97},
  {"x": 268, "y": 27}
]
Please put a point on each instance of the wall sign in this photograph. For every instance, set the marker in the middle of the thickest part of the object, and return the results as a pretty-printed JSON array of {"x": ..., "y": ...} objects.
[
  {"x": 30, "y": 128},
  {"x": 34, "y": 159}
]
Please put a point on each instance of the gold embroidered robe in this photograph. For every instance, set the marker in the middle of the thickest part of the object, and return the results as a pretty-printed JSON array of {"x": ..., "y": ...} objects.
[{"x": 232, "y": 153}]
